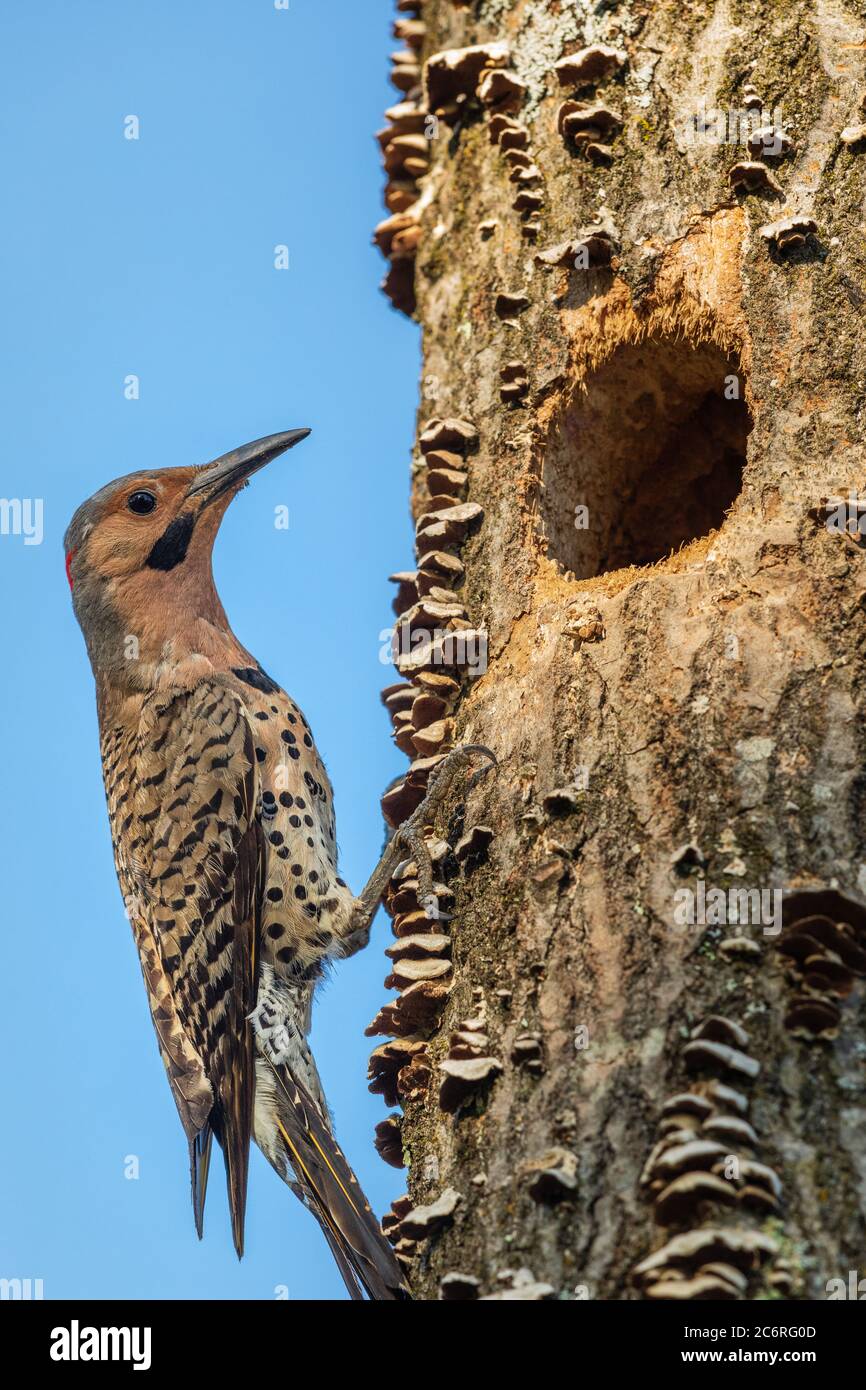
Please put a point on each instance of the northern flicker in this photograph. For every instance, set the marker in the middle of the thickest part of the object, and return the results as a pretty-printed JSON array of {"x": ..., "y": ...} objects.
[{"x": 222, "y": 823}]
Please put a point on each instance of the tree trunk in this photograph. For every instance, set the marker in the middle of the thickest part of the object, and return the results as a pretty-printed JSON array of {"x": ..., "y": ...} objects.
[{"x": 640, "y": 279}]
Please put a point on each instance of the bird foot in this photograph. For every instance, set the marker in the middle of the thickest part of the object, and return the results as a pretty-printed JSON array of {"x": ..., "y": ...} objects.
[
  {"x": 410, "y": 834},
  {"x": 409, "y": 837}
]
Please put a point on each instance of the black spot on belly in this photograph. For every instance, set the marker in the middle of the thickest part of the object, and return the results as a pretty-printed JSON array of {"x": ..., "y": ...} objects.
[{"x": 171, "y": 548}]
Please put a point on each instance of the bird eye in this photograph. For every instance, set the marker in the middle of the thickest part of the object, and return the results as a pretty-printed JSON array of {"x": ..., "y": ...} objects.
[{"x": 141, "y": 503}]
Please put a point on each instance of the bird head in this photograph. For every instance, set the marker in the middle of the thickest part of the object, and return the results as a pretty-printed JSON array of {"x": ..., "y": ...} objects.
[{"x": 138, "y": 556}]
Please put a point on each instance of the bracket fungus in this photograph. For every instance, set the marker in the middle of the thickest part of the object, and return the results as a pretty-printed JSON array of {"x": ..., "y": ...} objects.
[
  {"x": 552, "y": 1176},
  {"x": 685, "y": 1197},
  {"x": 515, "y": 382},
  {"x": 501, "y": 90},
  {"x": 789, "y": 232},
  {"x": 422, "y": 1222},
  {"x": 720, "y": 1029},
  {"x": 754, "y": 177},
  {"x": 508, "y": 306},
  {"x": 704, "y": 1053},
  {"x": 459, "y": 436},
  {"x": 744, "y": 1249},
  {"x": 388, "y": 1142},
  {"x": 456, "y": 72},
  {"x": 456, "y": 1287},
  {"x": 591, "y": 248},
  {"x": 465, "y": 1077},
  {"x": 769, "y": 142},
  {"x": 591, "y": 64},
  {"x": 824, "y": 941},
  {"x": 474, "y": 844}
]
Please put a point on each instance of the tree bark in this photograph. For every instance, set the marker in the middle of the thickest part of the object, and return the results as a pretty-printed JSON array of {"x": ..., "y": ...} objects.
[{"x": 643, "y": 347}]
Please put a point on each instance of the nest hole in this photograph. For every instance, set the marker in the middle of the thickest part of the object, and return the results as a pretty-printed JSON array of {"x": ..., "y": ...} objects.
[{"x": 650, "y": 458}]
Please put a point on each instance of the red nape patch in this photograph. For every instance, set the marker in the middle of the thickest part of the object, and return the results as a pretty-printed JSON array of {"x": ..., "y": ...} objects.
[{"x": 69, "y": 567}]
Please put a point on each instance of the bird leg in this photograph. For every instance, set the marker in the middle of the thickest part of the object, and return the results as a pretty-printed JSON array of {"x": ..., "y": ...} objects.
[{"x": 408, "y": 838}]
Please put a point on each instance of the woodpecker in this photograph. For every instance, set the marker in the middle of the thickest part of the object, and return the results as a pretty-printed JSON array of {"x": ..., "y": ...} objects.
[{"x": 222, "y": 824}]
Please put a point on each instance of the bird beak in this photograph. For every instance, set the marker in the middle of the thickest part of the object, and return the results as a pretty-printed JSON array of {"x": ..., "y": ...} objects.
[{"x": 232, "y": 470}]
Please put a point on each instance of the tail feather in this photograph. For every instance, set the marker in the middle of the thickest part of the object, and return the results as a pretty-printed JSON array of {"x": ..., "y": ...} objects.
[
  {"x": 326, "y": 1184},
  {"x": 199, "y": 1166}
]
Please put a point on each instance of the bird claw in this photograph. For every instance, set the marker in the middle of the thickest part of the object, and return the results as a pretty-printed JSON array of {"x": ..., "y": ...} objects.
[{"x": 411, "y": 832}]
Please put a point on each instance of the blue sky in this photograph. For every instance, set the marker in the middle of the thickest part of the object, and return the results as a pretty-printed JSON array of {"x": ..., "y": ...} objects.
[{"x": 155, "y": 257}]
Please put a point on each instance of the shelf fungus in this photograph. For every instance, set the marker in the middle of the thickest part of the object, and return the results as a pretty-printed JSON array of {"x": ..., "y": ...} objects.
[
  {"x": 754, "y": 177},
  {"x": 444, "y": 478},
  {"x": 391, "y": 1220},
  {"x": 447, "y": 526},
  {"x": 591, "y": 64},
  {"x": 675, "y": 1289},
  {"x": 751, "y": 100},
  {"x": 407, "y": 593},
  {"x": 454, "y": 435},
  {"x": 415, "y": 1009},
  {"x": 739, "y": 946},
  {"x": 824, "y": 941},
  {"x": 743, "y": 1249},
  {"x": 521, "y": 1286},
  {"x": 424, "y": 1221},
  {"x": 388, "y": 1142},
  {"x": 501, "y": 90},
  {"x": 527, "y": 1051},
  {"x": 410, "y": 31},
  {"x": 723, "y": 1030},
  {"x": 464, "y": 1078},
  {"x": 455, "y": 1287},
  {"x": 508, "y": 306},
  {"x": 853, "y": 135},
  {"x": 473, "y": 846},
  {"x": 386, "y": 1065},
  {"x": 503, "y": 128},
  {"x": 706, "y": 1054},
  {"x": 456, "y": 72},
  {"x": 790, "y": 232},
  {"x": 583, "y": 125},
  {"x": 552, "y": 1177},
  {"x": 437, "y": 567},
  {"x": 405, "y": 72},
  {"x": 515, "y": 382},
  {"x": 769, "y": 142},
  {"x": 399, "y": 801},
  {"x": 683, "y": 1200},
  {"x": 591, "y": 248}
]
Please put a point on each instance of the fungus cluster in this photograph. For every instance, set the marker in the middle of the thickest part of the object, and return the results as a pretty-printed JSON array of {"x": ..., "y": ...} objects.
[
  {"x": 435, "y": 641},
  {"x": 765, "y": 142},
  {"x": 512, "y": 140},
  {"x": 704, "y": 1167},
  {"x": 789, "y": 233},
  {"x": 589, "y": 125},
  {"x": 460, "y": 75},
  {"x": 406, "y": 1226},
  {"x": 406, "y": 156},
  {"x": 824, "y": 941},
  {"x": 469, "y": 1068},
  {"x": 420, "y": 972},
  {"x": 593, "y": 248}
]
